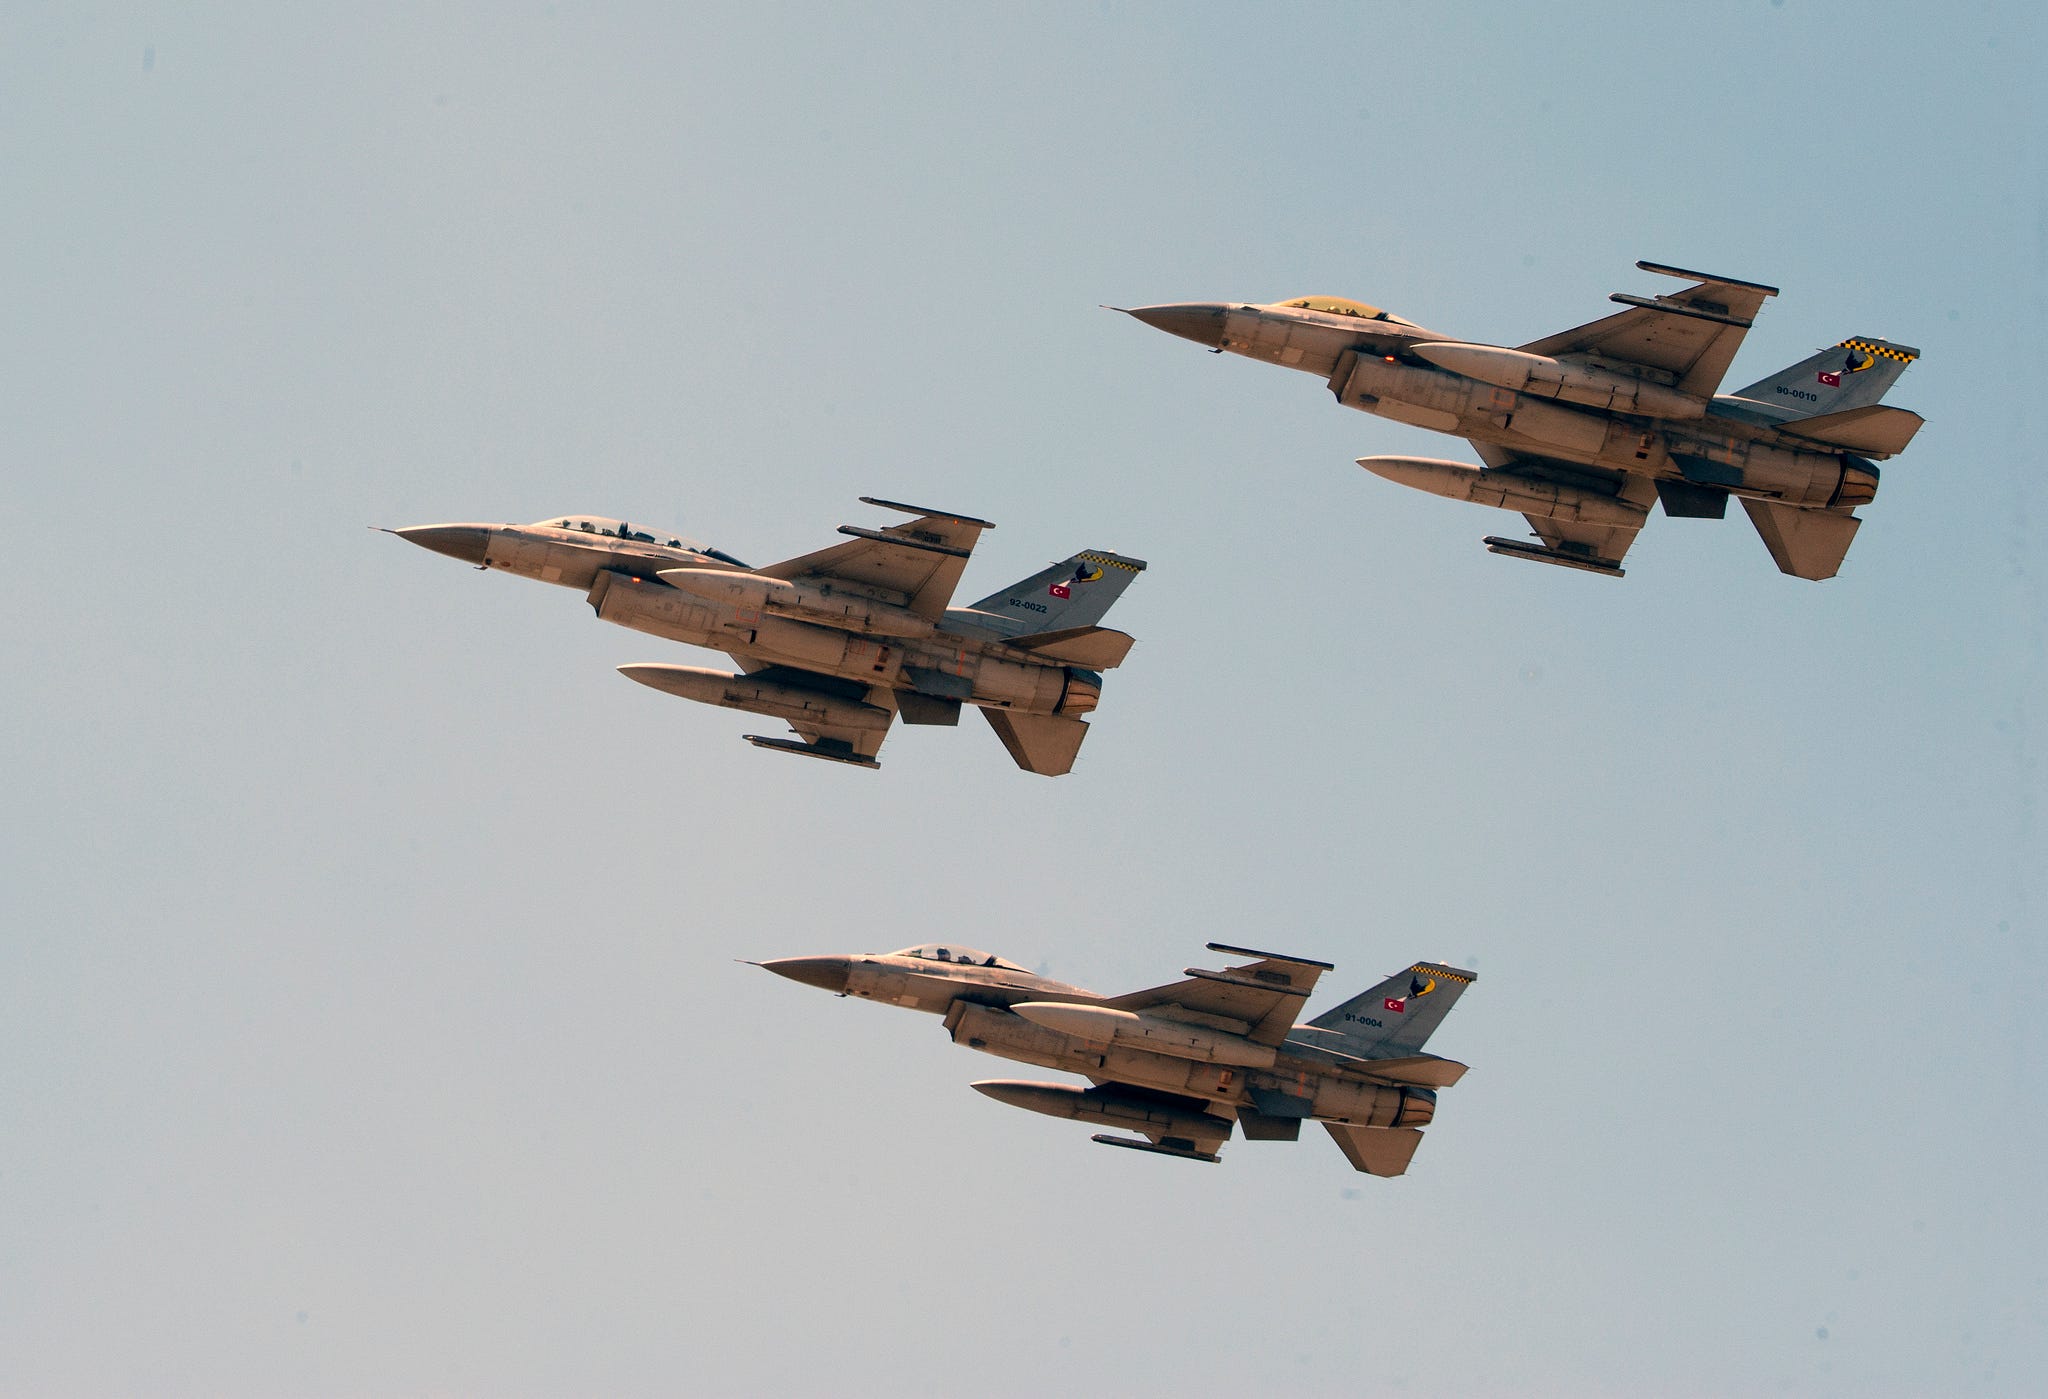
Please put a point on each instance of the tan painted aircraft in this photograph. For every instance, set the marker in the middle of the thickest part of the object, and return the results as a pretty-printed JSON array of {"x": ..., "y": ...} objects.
[
  {"x": 1182, "y": 1064},
  {"x": 842, "y": 641},
  {"x": 1585, "y": 430}
]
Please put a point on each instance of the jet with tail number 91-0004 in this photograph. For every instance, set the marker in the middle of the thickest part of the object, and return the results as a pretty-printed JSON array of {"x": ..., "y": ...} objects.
[
  {"x": 1185, "y": 1063},
  {"x": 1584, "y": 430},
  {"x": 842, "y": 641}
]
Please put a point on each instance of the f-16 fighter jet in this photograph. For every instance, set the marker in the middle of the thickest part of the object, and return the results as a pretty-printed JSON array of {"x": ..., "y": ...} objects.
[
  {"x": 1180, "y": 1064},
  {"x": 1583, "y": 431},
  {"x": 842, "y": 641}
]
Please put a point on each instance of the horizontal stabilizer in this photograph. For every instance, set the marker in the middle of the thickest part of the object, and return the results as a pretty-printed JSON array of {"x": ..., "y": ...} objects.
[
  {"x": 1097, "y": 648},
  {"x": 1041, "y": 743},
  {"x": 1803, "y": 543},
  {"x": 1378, "y": 1151},
  {"x": 1419, "y": 1071},
  {"x": 1876, "y": 430}
]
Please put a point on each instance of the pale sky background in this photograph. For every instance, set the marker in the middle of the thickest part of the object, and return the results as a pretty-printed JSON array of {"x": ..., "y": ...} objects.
[{"x": 371, "y": 1019}]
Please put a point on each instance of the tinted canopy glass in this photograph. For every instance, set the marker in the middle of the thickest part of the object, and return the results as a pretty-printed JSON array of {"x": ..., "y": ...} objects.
[
  {"x": 632, "y": 534},
  {"x": 957, "y": 955},
  {"x": 1338, "y": 306}
]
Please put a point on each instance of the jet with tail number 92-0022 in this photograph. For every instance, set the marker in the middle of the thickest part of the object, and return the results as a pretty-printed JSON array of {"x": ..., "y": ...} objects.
[
  {"x": 1584, "y": 430},
  {"x": 1184, "y": 1064},
  {"x": 840, "y": 642}
]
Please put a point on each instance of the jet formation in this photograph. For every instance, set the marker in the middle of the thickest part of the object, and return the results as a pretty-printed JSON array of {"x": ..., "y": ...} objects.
[
  {"x": 1183, "y": 1064},
  {"x": 1585, "y": 430},
  {"x": 841, "y": 642}
]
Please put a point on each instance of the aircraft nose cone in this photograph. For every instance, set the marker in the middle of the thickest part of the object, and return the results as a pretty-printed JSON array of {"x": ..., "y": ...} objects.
[
  {"x": 465, "y": 542},
  {"x": 825, "y": 973},
  {"x": 1201, "y": 322}
]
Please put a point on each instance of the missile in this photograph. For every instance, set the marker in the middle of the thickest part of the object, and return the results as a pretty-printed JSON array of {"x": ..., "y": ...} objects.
[
  {"x": 1543, "y": 377},
  {"x": 847, "y": 611},
  {"x": 1173, "y": 1038},
  {"x": 1505, "y": 489},
  {"x": 791, "y": 702},
  {"x": 1103, "y": 1107}
]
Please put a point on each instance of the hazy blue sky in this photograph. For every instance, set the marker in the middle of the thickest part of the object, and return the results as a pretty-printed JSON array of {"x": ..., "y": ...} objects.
[{"x": 369, "y": 1006}]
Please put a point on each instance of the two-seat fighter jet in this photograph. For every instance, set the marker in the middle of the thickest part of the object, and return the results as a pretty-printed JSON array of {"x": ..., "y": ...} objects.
[
  {"x": 841, "y": 641},
  {"x": 1181, "y": 1064},
  {"x": 1584, "y": 430}
]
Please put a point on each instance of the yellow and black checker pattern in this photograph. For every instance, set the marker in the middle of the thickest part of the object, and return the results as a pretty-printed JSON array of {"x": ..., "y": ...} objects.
[{"x": 1880, "y": 350}]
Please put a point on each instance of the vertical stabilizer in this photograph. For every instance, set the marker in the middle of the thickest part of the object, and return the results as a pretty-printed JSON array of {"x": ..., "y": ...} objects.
[
  {"x": 1072, "y": 594},
  {"x": 1394, "y": 1018},
  {"x": 1853, "y": 374}
]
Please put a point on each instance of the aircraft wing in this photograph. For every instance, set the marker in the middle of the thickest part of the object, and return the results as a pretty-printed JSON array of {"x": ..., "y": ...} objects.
[
  {"x": 1600, "y": 546},
  {"x": 1690, "y": 335},
  {"x": 1606, "y": 544},
  {"x": 840, "y": 744},
  {"x": 1206, "y": 1142},
  {"x": 857, "y": 746},
  {"x": 916, "y": 564},
  {"x": 1259, "y": 1001}
]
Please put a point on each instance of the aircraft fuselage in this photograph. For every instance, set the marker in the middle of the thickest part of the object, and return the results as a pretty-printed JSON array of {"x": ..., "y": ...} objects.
[
  {"x": 620, "y": 577},
  {"x": 1313, "y": 1083},
  {"x": 1375, "y": 366}
]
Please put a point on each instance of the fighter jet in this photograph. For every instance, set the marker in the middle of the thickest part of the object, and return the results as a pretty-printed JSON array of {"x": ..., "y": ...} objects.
[
  {"x": 842, "y": 641},
  {"x": 1584, "y": 430},
  {"x": 1180, "y": 1064}
]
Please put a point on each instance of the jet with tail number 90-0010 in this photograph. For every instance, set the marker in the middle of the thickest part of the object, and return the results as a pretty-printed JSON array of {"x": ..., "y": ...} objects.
[
  {"x": 1584, "y": 430},
  {"x": 840, "y": 642},
  {"x": 1184, "y": 1064}
]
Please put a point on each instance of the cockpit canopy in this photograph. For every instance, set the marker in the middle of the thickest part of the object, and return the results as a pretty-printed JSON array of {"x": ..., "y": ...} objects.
[
  {"x": 1338, "y": 306},
  {"x": 957, "y": 955},
  {"x": 632, "y": 534}
]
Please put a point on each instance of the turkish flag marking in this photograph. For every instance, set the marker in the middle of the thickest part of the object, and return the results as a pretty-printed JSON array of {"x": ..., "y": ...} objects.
[
  {"x": 1833, "y": 379},
  {"x": 1396, "y": 1004},
  {"x": 1060, "y": 590}
]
